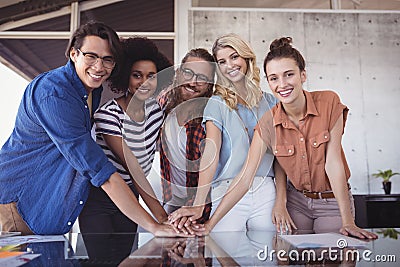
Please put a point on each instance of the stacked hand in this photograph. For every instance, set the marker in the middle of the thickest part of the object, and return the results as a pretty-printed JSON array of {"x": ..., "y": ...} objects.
[{"x": 185, "y": 219}]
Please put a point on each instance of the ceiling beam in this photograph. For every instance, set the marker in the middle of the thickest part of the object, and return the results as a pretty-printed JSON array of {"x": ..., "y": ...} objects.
[
  {"x": 75, "y": 17},
  {"x": 336, "y": 4},
  {"x": 83, "y": 6},
  {"x": 4, "y": 3},
  {"x": 66, "y": 35}
]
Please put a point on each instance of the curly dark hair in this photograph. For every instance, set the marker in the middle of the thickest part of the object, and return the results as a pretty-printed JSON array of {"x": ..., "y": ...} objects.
[{"x": 136, "y": 49}]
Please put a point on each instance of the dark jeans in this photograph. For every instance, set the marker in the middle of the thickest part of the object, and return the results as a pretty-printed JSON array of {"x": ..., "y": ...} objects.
[
  {"x": 101, "y": 215},
  {"x": 102, "y": 226}
]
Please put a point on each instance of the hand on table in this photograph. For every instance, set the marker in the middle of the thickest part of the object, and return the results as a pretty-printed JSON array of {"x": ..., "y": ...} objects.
[{"x": 354, "y": 230}]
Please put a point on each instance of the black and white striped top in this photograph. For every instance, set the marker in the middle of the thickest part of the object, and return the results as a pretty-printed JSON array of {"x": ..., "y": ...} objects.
[{"x": 141, "y": 137}]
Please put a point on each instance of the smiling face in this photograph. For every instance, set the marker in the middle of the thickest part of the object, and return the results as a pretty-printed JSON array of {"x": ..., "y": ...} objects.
[
  {"x": 231, "y": 65},
  {"x": 143, "y": 79},
  {"x": 194, "y": 87},
  {"x": 285, "y": 79},
  {"x": 91, "y": 76}
]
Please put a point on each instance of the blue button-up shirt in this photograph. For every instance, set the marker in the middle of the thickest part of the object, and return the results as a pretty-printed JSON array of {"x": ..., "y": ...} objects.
[
  {"x": 50, "y": 159},
  {"x": 237, "y": 128}
]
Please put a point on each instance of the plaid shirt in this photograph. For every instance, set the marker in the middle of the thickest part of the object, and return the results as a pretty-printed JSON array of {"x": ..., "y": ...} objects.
[{"x": 194, "y": 134}]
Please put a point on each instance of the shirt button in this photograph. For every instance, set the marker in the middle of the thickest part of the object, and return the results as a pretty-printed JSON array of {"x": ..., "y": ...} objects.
[
  {"x": 85, "y": 96},
  {"x": 303, "y": 157},
  {"x": 301, "y": 139},
  {"x": 81, "y": 202},
  {"x": 290, "y": 151},
  {"x": 315, "y": 144},
  {"x": 69, "y": 223},
  {"x": 86, "y": 106},
  {"x": 276, "y": 151},
  {"x": 325, "y": 136}
]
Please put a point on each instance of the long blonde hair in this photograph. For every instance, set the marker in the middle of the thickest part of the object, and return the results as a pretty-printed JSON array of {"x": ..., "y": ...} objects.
[{"x": 224, "y": 87}]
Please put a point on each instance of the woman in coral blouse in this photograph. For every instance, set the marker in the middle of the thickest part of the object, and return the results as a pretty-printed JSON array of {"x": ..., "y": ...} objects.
[{"x": 304, "y": 132}]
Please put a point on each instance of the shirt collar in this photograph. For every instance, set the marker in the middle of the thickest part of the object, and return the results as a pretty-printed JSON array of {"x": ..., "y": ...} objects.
[
  {"x": 281, "y": 116},
  {"x": 75, "y": 80},
  {"x": 77, "y": 83}
]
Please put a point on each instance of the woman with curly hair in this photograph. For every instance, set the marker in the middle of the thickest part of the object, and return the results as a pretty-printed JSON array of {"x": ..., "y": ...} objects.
[
  {"x": 229, "y": 118},
  {"x": 127, "y": 129}
]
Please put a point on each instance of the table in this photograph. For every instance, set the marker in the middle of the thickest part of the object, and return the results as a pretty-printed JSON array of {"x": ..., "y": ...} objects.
[
  {"x": 218, "y": 249},
  {"x": 374, "y": 211}
]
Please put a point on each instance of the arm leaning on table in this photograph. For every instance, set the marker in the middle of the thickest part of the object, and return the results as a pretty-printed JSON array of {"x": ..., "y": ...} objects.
[
  {"x": 208, "y": 166},
  {"x": 280, "y": 215},
  {"x": 128, "y": 160},
  {"x": 123, "y": 197},
  {"x": 335, "y": 171}
]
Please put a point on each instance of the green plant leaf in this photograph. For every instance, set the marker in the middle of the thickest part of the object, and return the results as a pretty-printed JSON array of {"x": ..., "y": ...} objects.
[{"x": 385, "y": 175}]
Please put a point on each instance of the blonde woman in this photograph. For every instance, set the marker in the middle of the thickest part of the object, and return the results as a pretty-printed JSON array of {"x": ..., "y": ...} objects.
[{"x": 229, "y": 119}]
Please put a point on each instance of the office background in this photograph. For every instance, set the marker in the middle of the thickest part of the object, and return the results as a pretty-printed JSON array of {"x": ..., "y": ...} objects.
[{"x": 348, "y": 48}]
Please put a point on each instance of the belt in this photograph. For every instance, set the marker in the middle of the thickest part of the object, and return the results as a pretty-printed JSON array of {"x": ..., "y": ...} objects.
[{"x": 317, "y": 195}]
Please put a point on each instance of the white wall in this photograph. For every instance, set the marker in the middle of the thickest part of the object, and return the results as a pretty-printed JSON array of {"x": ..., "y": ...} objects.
[
  {"x": 355, "y": 54},
  {"x": 11, "y": 90}
]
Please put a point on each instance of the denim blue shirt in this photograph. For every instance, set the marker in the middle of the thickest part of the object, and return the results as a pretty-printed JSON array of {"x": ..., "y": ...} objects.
[
  {"x": 50, "y": 159},
  {"x": 237, "y": 129}
]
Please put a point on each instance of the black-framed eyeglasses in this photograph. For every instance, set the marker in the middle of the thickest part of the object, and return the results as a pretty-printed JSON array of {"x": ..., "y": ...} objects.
[
  {"x": 200, "y": 79},
  {"x": 91, "y": 59}
]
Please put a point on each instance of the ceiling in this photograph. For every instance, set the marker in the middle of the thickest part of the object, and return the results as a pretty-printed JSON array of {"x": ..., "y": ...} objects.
[
  {"x": 51, "y": 21},
  {"x": 34, "y": 34}
]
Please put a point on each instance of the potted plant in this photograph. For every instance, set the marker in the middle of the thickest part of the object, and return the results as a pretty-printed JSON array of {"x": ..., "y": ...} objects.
[
  {"x": 386, "y": 175},
  {"x": 390, "y": 232}
]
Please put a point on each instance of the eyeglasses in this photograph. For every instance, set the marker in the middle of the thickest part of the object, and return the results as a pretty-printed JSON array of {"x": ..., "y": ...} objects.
[
  {"x": 91, "y": 59},
  {"x": 200, "y": 79}
]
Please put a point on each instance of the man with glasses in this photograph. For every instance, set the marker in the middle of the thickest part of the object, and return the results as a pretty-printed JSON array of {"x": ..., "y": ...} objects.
[
  {"x": 200, "y": 79},
  {"x": 50, "y": 159},
  {"x": 182, "y": 134}
]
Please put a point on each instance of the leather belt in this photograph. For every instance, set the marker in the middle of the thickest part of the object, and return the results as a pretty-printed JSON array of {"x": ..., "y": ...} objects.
[{"x": 318, "y": 195}]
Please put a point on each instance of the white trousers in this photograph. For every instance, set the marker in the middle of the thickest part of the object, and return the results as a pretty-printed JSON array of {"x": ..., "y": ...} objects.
[{"x": 252, "y": 212}]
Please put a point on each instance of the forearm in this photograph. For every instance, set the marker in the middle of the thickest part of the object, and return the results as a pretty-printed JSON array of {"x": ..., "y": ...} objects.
[
  {"x": 340, "y": 189},
  {"x": 281, "y": 185},
  {"x": 236, "y": 191},
  {"x": 203, "y": 188},
  {"x": 125, "y": 200},
  {"x": 335, "y": 171},
  {"x": 208, "y": 162},
  {"x": 242, "y": 181},
  {"x": 154, "y": 206},
  {"x": 142, "y": 185},
  {"x": 208, "y": 167}
]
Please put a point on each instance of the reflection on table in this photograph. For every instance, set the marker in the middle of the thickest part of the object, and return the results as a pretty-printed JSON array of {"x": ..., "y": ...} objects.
[{"x": 253, "y": 248}]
